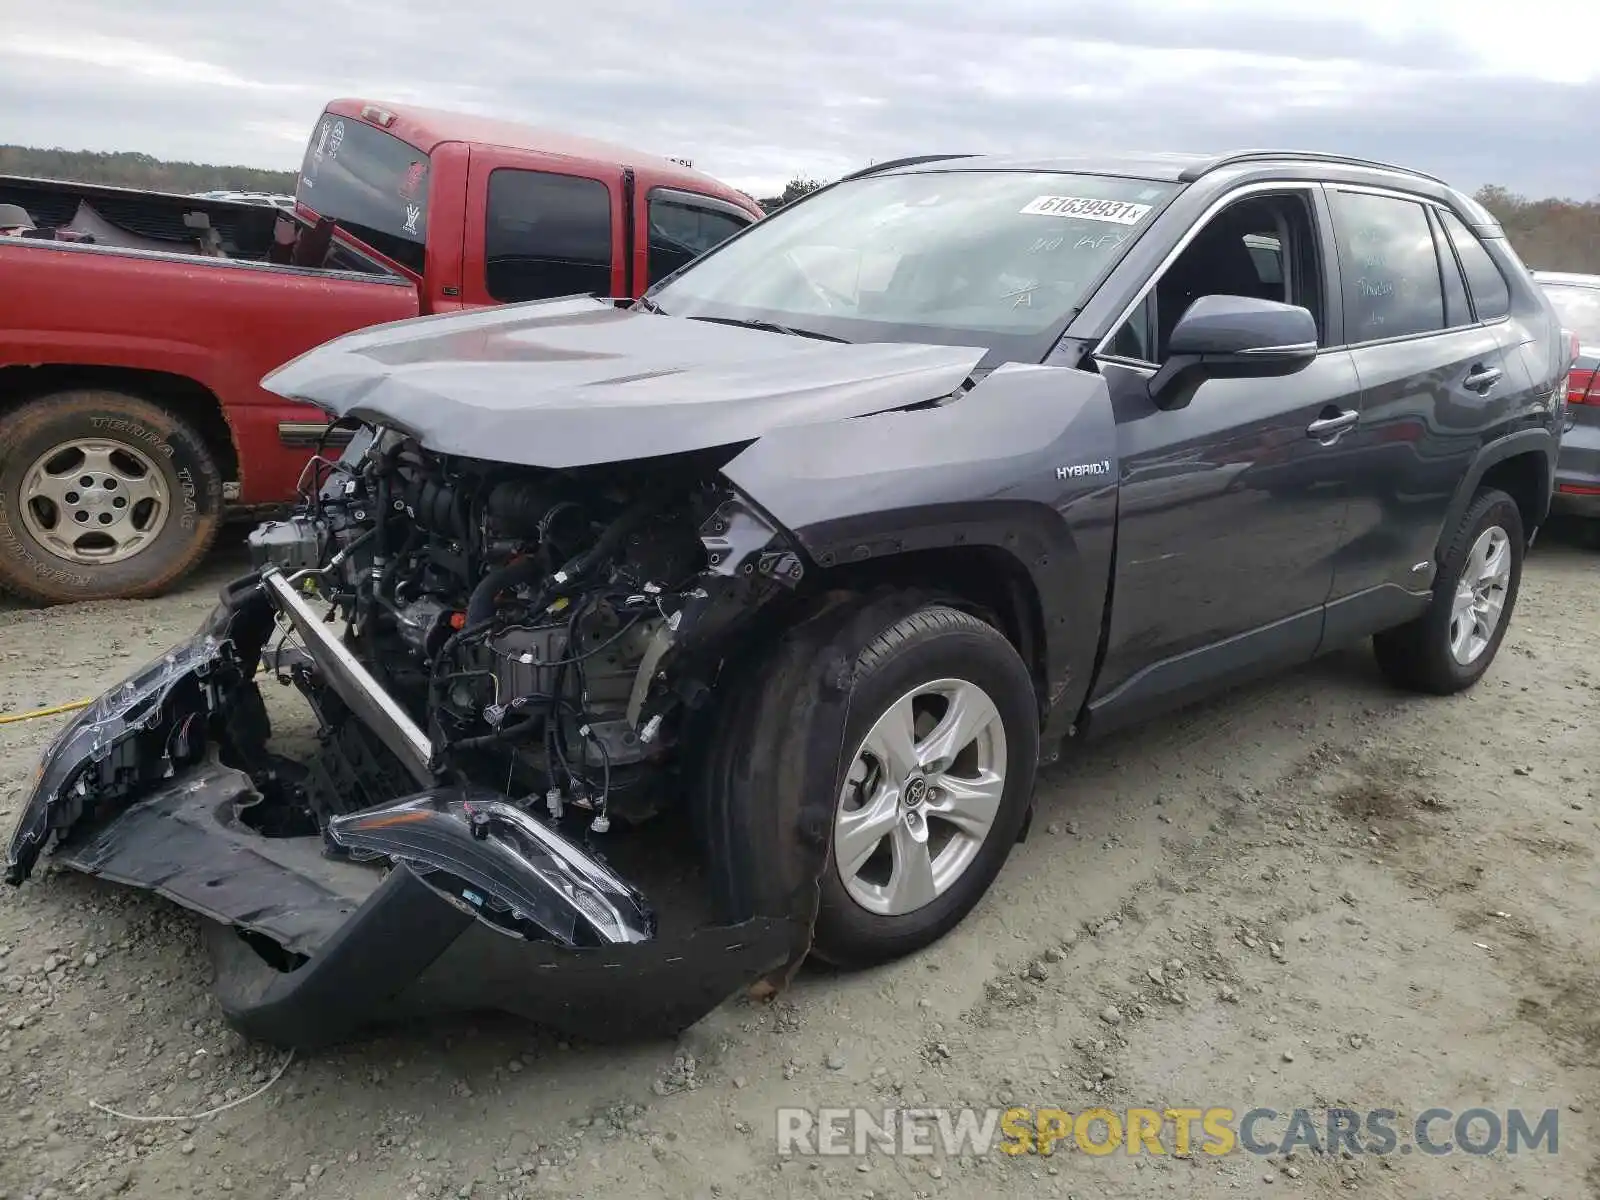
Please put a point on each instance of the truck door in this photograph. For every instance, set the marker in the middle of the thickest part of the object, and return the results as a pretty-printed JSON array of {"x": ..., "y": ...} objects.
[
  {"x": 537, "y": 228},
  {"x": 674, "y": 226}
]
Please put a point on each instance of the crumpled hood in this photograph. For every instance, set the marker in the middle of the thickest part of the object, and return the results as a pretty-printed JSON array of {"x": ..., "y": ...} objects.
[{"x": 566, "y": 383}]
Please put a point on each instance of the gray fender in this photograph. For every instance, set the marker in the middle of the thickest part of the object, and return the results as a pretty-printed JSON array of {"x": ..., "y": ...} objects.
[{"x": 1024, "y": 462}]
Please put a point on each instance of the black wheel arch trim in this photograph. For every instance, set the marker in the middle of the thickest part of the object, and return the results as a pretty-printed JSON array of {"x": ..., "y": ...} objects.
[
  {"x": 1540, "y": 443},
  {"x": 1045, "y": 551}
]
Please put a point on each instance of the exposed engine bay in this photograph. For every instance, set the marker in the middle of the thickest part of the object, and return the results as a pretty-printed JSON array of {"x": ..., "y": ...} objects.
[
  {"x": 548, "y": 631},
  {"x": 540, "y": 637},
  {"x": 502, "y": 665}
]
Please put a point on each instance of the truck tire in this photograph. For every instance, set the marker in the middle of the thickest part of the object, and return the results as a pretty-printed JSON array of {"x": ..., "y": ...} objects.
[
  {"x": 102, "y": 496},
  {"x": 914, "y": 828},
  {"x": 1450, "y": 646}
]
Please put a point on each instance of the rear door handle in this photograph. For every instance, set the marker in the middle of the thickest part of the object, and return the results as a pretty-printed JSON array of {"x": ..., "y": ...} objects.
[
  {"x": 1331, "y": 427},
  {"x": 1481, "y": 379}
]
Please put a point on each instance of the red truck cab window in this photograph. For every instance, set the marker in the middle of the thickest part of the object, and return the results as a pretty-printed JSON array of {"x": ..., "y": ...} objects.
[
  {"x": 683, "y": 226},
  {"x": 546, "y": 235}
]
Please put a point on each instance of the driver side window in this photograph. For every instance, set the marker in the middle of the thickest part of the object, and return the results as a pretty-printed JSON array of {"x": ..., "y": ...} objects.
[{"x": 1263, "y": 247}]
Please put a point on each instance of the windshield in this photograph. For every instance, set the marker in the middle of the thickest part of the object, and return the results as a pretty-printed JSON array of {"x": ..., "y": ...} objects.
[
  {"x": 373, "y": 184},
  {"x": 1578, "y": 308},
  {"x": 988, "y": 258}
]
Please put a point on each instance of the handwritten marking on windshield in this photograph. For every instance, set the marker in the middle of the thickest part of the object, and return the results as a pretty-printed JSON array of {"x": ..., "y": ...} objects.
[
  {"x": 1086, "y": 242},
  {"x": 1021, "y": 297}
]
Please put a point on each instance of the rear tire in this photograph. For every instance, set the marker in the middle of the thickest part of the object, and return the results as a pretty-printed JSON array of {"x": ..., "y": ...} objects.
[
  {"x": 1450, "y": 646},
  {"x": 765, "y": 842},
  {"x": 63, "y": 540}
]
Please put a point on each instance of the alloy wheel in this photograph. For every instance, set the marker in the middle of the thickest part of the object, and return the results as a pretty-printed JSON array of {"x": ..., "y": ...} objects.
[
  {"x": 921, "y": 796},
  {"x": 1480, "y": 598}
]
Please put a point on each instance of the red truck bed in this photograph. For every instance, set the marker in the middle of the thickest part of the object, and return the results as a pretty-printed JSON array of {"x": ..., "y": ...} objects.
[{"x": 218, "y": 323}]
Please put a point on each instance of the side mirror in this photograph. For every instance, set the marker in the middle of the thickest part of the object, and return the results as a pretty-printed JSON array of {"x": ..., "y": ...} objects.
[{"x": 1233, "y": 337}]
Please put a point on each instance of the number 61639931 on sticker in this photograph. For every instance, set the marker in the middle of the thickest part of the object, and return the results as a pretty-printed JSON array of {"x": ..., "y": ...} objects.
[{"x": 1121, "y": 212}]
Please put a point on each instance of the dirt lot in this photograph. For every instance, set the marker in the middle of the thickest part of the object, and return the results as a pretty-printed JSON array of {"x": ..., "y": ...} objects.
[{"x": 1312, "y": 893}]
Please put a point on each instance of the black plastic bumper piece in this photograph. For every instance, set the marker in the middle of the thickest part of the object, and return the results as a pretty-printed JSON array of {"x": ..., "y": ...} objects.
[
  {"x": 310, "y": 950},
  {"x": 396, "y": 935},
  {"x": 408, "y": 953}
]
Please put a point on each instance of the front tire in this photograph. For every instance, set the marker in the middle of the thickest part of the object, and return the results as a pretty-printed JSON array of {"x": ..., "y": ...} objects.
[
  {"x": 102, "y": 496},
  {"x": 929, "y": 791},
  {"x": 1450, "y": 646}
]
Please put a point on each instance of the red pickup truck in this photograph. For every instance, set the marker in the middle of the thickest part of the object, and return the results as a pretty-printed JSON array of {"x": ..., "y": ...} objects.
[{"x": 134, "y": 326}]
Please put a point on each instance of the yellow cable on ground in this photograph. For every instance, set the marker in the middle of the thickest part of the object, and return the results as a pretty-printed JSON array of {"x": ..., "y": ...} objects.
[{"x": 13, "y": 718}]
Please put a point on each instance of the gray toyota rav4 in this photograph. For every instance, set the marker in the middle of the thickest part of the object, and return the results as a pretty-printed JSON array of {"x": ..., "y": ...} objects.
[{"x": 650, "y": 648}]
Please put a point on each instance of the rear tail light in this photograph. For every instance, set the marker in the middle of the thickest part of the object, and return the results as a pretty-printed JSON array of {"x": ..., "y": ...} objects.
[
  {"x": 1580, "y": 383},
  {"x": 1581, "y": 388}
]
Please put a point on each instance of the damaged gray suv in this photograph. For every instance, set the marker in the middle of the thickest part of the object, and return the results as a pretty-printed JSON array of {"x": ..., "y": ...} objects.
[{"x": 648, "y": 649}]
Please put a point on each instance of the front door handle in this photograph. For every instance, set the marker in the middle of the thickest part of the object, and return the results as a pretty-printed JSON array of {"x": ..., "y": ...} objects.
[
  {"x": 1481, "y": 379},
  {"x": 1325, "y": 428}
]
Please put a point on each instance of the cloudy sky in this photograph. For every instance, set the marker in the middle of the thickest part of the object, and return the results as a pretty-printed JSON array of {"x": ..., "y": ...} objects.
[{"x": 756, "y": 91}]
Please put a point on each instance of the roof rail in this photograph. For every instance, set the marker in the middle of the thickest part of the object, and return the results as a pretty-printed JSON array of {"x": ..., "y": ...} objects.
[
  {"x": 913, "y": 161},
  {"x": 1250, "y": 156}
]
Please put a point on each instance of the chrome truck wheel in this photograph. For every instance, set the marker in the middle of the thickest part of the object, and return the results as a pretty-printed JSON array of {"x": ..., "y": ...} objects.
[
  {"x": 94, "y": 501},
  {"x": 102, "y": 496}
]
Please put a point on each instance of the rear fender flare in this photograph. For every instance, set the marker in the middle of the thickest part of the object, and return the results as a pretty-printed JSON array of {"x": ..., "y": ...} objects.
[{"x": 1539, "y": 442}]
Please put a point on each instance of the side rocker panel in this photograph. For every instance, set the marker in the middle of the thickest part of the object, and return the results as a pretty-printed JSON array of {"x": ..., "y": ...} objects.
[{"x": 1025, "y": 462}]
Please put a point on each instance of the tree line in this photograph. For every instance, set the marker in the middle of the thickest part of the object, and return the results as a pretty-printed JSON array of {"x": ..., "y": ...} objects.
[
  {"x": 1550, "y": 234},
  {"x": 129, "y": 169},
  {"x": 796, "y": 187}
]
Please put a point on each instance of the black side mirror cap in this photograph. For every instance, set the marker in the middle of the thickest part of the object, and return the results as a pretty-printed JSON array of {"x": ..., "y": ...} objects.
[{"x": 1233, "y": 337}]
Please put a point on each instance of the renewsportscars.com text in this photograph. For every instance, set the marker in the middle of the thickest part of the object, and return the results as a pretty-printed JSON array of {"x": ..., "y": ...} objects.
[{"x": 1178, "y": 1131}]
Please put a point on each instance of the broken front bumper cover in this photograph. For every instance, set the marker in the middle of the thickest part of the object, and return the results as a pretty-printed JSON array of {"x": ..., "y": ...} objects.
[
  {"x": 447, "y": 899},
  {"x": 124, "y": 739}
]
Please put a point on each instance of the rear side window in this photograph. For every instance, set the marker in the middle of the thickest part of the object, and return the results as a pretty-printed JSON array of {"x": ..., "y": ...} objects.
[
  {"x": 1490, "y": 295},
  {"x": 547, "y": 235},
  {"x": 1389, "y": 266},
  {"x": 681, "y": 231},
  {"x": 1457, "y": 309}
]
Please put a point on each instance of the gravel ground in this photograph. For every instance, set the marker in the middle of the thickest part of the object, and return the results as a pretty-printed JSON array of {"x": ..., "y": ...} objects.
[{"x": 1313, "y": 892}]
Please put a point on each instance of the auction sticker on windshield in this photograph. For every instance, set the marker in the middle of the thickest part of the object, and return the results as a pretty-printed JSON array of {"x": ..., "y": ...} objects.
[{"x": 1121, "y": 212}]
